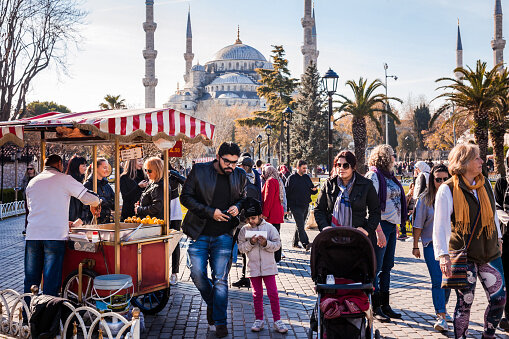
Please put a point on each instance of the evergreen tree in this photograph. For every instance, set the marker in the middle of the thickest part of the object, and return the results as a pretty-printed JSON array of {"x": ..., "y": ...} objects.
[
  {"x": 277, "y": 88},
  {"x": 309, "y": 126},
  {"x": 40, "y": 107},
  {"x": 421, "y": 122}
]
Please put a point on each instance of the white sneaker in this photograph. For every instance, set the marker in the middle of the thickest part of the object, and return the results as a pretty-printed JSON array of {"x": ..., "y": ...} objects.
[
  {"x": 441, "y": 325},
  {"x": 257, "y": 325},
  {"x": 280, "y": 327},
  {"x": 173, "y": 279}
]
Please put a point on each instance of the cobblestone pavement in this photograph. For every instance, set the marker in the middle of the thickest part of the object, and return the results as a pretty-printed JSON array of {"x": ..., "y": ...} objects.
[{"x": 185, "y": 314}]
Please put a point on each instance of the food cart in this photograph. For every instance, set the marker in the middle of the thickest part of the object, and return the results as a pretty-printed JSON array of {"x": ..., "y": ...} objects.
[{"x": 141, "y": 251}]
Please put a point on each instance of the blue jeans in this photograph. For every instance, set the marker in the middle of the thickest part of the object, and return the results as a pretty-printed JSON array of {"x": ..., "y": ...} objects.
[
  {"x": 385, "y": 257},
  {"x": 44, "y": 258},
  {"x": 440, "y": 296},
  {"x": 214, "y": 291}
]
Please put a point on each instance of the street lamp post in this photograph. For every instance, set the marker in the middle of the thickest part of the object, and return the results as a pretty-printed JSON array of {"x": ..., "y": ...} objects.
[
  {"x": 387, "y": 103},
  {"x": 253, "y": 143},
  {"x": 287, "y": 117},
  {"x": 259, "y": 141},
  {"x": 268, "y": 131},
  {"x": 330, "y": 84}
]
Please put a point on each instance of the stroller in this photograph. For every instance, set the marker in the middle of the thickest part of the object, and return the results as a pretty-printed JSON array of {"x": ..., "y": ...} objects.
[{"x": 348, "y": 255}]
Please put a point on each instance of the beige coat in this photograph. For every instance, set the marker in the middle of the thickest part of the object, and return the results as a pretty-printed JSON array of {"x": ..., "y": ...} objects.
[{"x": 260, "y": 260}]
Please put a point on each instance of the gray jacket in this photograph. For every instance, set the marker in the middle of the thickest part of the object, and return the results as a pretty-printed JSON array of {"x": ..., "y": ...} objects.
[{"x": 260, "y": 260}]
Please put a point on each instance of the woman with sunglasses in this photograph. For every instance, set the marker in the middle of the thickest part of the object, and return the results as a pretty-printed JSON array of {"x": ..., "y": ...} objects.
[
  {"x": 151, "y": 200},
  {"x": 423, "y": 228},
  {"x": 393, "y": 212}
]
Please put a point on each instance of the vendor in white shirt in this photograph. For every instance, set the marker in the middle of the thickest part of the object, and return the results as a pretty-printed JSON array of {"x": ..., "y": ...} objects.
[
  {"x": 464, "y": 199},
  {"x": 48, "y": 196}
]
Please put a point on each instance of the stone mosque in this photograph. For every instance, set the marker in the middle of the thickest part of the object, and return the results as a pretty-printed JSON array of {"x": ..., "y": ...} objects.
[{"x": 230, "y": 78}]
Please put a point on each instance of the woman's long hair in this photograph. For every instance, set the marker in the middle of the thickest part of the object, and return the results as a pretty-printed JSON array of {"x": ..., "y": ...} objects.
[
  {"x": 73, "y": 168},
  {"x": 130, "y": 169},
  {"x": 90, "y": 168},
  {"x": 431, "y": 191}
]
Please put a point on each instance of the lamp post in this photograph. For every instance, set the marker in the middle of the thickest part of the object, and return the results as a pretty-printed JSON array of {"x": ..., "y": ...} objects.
[
  {"x": 387, "y": 103},
  {"x": 268, "y": 131},
  {"x": 287, "y": 117},
  {"x": 330, "y": 84},
  {"x": 16, "y": 162},
  {"x": 2, "y": 185},
  {"x": 253, "y": 147},
  {"x": 259, "y": 141}
]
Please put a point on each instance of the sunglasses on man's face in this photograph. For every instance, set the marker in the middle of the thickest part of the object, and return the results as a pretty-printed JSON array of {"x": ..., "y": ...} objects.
[
  {"x": 345, "y": 165},
  {"x": 229, "y": 162},
  {"x": 148, "y": 170}
]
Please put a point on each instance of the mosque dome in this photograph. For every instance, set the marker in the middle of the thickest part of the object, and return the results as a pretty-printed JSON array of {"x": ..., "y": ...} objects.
[
  {"x": 239, "y": 51},
  {"x": 232, "y": 78},
  {"x": 198, "y": 67},
  {"x": 228, "y": 95}
]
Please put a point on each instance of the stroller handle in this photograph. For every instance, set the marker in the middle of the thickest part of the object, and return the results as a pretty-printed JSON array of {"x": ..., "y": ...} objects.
[{"x": 354, "y": 286}]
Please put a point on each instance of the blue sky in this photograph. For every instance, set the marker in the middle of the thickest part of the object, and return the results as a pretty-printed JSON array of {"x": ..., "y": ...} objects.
[{"x": 417, "y": 38}]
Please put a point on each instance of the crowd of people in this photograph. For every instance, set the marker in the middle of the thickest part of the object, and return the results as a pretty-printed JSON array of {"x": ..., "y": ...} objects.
[{"x": 236, "y": 206}]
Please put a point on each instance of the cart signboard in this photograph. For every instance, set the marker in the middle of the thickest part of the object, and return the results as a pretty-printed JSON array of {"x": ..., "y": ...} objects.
[
  {"x": 130, "y": 152},
  {"x": 176, "y": 151}
]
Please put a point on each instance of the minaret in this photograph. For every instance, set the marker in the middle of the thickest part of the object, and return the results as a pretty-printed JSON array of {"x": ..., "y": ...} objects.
[
  {"x": 314, "y": 36},
  {"x": 459, "y": 52},
  {"x": 188, "y": 55},
  {"x": 150, "y": 81},
  {"x": 498, "y": 43},
  {"x": 309, "y": 47}
]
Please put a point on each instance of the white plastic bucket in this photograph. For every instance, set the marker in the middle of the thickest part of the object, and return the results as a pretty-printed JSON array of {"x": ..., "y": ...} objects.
[{"x": 113, "y": 292}]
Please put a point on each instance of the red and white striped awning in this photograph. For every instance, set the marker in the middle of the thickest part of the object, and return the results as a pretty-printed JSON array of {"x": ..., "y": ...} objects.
[
  {"x": 126, "y": 125},
  {"x": 12, "y": 134}
]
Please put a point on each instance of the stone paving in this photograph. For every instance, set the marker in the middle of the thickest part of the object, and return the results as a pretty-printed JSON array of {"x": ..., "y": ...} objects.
[{"x": 184, "y": 316}]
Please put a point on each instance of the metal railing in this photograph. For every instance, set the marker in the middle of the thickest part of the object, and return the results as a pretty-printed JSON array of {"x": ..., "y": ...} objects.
[
  {"x": 85, "y": 322},
  {"x": 12, "y": 208}
]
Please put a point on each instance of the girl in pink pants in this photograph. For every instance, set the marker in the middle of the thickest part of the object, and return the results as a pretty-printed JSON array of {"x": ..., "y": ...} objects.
[{"x": 259, "y": 240}]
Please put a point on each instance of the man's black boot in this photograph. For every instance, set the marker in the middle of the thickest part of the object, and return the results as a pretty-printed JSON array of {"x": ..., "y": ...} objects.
[{"x": 386, "y": 308}]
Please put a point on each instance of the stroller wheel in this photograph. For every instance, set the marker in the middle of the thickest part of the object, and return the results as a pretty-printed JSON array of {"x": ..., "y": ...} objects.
[
  {"x": 377, "y": 334},
  {"x": 310, "y": 333}
]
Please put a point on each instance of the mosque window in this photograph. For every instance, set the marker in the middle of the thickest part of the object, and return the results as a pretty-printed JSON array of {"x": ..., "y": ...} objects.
[
  {"x": 245, "y": 65},
  {"x": 229, "y": 65},
  {"x": 237, "y": 66}
]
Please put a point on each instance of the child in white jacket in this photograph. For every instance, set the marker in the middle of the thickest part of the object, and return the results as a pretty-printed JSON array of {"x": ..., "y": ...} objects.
[{"x": 261, "y": 265}]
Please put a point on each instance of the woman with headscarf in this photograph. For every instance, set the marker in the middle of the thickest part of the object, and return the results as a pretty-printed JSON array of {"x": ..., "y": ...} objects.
[
  {"x": 394, "y": 211},
  {"x": 273, "y": 196},
  {"x": 76, "y": 169},
  {"x": 465, "y": 220},
  {"x": 421, "y": 174}
]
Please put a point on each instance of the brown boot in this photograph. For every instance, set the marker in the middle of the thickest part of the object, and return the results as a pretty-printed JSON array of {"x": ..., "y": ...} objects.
[{"x": 221, "y": 331}]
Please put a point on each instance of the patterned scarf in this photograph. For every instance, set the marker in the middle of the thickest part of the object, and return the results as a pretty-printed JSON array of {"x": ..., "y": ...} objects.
[
  {"x": 382, "y": 192},
  {"x": 270, "y": 171},
  {"x": 342, "y": 213},
  {"x": 461, "y": 210}
]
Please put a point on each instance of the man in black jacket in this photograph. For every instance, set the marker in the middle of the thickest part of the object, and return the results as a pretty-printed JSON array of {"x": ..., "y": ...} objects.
[
  {"x": 299, "y": 189},
  {"x": 213, "y": 194},
  {"x": 502, "y": 204}
]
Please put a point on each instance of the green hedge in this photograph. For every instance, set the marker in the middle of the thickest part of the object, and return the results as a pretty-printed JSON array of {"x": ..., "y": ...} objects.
[{"x": 9, "y": 195}]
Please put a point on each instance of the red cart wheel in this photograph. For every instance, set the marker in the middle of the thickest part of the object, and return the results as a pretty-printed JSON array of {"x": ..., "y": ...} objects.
[
  {"x": 152, "y": 303},
  {"x": 70, "y": 287}
]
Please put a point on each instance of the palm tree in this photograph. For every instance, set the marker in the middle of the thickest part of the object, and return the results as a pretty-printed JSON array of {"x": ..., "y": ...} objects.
[
  {"x": 113, "y": 102},
  {"x": 365, "y": 104},
  {"x": 475, "y": 94},
  {"x": 499, "y": 121}
]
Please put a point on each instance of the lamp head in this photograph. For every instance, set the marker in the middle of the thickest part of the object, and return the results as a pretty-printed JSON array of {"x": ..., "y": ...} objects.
[
  {"x": 287, "y": 114},
  {"x": 268, "y": 130},
  {"x": 330, "y": 82},
  {"x": 259, "y": 138}
]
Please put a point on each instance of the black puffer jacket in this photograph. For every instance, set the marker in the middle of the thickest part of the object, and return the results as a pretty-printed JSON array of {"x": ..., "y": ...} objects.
[
  {"x": 175, "y": 180},
  {"x": 363, "y": 199},
  {"x": 151, "y": 201},
  {"x": 131, "y": 193},
  {"x": 106, "y": 194},
  {"x": 198, "y": 192},
  {"x": 75, "y": 205}
]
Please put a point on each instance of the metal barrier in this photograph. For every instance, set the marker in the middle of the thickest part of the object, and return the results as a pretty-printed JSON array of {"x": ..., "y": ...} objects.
[
  {"x": 87, "y": 322},
  {"x": 12, "y": 208}
]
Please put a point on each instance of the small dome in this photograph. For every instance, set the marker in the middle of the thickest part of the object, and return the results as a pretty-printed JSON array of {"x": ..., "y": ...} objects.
[
  {"x": 228, "y": 95},
  {"x": 232, "y": 78},
  {"x": 198, "y": 68},
  {"x": 239, "y": 52}
]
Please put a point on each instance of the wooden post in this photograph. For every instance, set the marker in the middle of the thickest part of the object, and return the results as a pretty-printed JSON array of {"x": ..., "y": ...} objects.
[
  {"x": 117, "y": 207},
  {"x": 80, "y": 282},
  {"x": 43, "y": 152},
  {"x": 166, "y": 214},
  {"x": 94, "y": 167}
]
